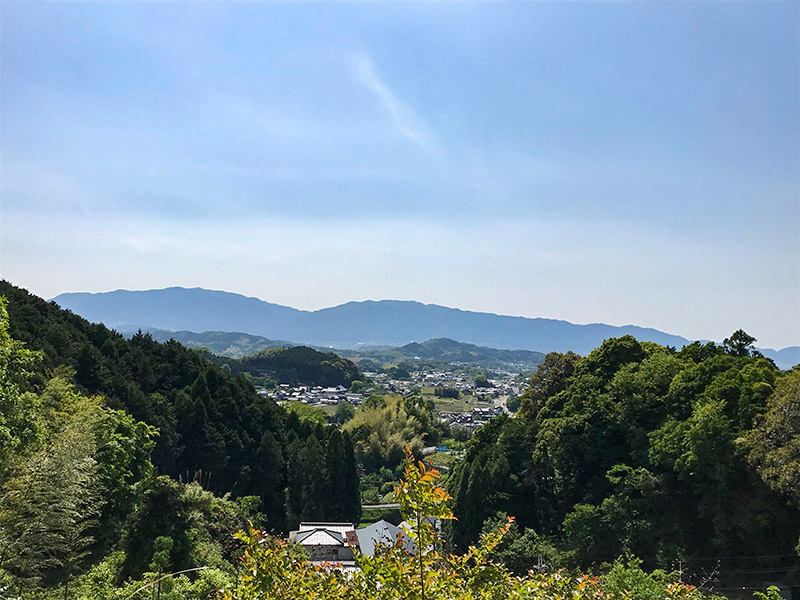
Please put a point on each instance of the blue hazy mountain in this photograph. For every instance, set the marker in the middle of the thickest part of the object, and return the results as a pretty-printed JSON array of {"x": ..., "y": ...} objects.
[
  {"x": 384, "y": 322},
  {"x": 232, "y": 344}
]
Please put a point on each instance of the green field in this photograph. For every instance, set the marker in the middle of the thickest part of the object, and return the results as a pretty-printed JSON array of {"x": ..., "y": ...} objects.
[{"x": 450, "y": 405}]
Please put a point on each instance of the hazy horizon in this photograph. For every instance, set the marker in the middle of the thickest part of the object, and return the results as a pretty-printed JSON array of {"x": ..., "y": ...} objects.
[
  {"x": 376, "y": 300},
  {"x": 619, "y": 163}
]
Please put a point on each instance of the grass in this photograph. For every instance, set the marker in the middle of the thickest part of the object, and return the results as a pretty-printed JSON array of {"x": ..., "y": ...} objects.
[
  {"x": 328, "y": 409},
  {"x": 442, "y": 459},
  {"x": 450, "y": 405}
]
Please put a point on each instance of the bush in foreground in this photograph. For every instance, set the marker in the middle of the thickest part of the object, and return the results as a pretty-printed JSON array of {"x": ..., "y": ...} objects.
[{"x": 273, "y": 571}]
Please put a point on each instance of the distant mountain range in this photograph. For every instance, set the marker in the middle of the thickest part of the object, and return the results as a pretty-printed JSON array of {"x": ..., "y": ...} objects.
[
  {"x": 224, "y": 343},
  {"x": 452, "y": 351},
  {"x": 236, "y": 345},
  {"x": 354, "y": 324}
]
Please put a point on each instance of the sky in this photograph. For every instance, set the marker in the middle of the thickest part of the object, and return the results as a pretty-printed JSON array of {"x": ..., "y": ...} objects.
[{"x": 617, "y": 162}]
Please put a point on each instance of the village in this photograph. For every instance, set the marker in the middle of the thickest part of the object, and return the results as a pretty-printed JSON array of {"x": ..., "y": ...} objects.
[{"x": 466, "y": 402}]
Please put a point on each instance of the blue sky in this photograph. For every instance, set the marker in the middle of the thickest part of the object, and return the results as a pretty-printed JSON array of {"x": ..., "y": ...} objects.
[{"x": 595, "y": 162}]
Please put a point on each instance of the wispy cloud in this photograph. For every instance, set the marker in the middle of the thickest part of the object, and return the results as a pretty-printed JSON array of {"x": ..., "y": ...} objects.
[{"x": 403, "y": 118}]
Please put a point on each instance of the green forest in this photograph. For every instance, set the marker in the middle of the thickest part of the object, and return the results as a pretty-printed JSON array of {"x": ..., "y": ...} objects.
[
  {"x": 126, "y": 462},
  {"x": 150, "y": 450},
  {"x": 685, "y": 459},
  {"x": 293, "y": 365}
]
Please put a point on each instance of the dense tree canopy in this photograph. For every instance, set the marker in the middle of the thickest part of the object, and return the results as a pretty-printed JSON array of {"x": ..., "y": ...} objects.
[
  {"x": 775, "y": 441},
  {"x": 124, "y": 460},
  {"x": 212, "y": 426},
  {"x": 640, "y": 449},
  {"x": 294, "y": 365}
]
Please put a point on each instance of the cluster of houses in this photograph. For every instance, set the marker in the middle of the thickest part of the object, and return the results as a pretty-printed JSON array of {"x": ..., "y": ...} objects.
[
  {"x": 314, "y": 394},
  {"x": 502, "y": 388},
  {"x": 479, "y": 415},
  {"x": 335, "y": 544}
]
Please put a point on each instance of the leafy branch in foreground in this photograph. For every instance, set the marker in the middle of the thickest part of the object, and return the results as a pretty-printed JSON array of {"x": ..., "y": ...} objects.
[{"x": 272, "y": 569}]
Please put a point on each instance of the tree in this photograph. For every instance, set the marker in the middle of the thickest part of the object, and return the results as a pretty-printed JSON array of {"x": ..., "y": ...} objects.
[
  {"x": 337, "y": 475},
  {"x": 271, "y": 570},
  {"x": 316, "y": 482},
  {"x": 739, "y": 344},
  {"x": 381, "y": 430},
  {"x": 19, "y": 429},
  {"x": 356, "y": 387},
  {"x": 268, "y": 472},
  {"x": 550, "y": 378},
  {"x": 123, "y": 468},
  {"x": 344, "y": 412},
  {"x": 350, "y": 485},
  {"x": 294, "y": 482},
  {"x": 775, "y": 441},
  {"x": 481, "y": 381},
  {"x": 310, "y": 414},
  {"x": 49, "y": 509},
  {"x": 513, "y": 403}
]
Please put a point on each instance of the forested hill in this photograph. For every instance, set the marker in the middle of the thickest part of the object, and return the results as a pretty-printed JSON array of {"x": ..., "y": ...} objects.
[
  {"x": 386, "y": 322},
  {"x": 223, "y": 343},
  {"x": 452, "y": 351},
  {"x": 639, "y": 449},
  {"x": 237, "y": 345},
  {"x": 381, "y": 323},
  {"x": 211, "y": 424},
  {"x": 298, "y": 364}
]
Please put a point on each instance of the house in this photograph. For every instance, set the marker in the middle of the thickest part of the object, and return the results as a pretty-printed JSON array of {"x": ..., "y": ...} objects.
[
  {"x": 326, "y": 542},
  {"x": 333, "y": 543},
  {"x": 382, "y": 532}
]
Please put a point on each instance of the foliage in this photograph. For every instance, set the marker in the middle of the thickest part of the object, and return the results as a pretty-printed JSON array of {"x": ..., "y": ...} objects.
[
  {"x": 446, "y": 392},
  {"x": 271, "y": 570},
  {"x": 626, "y": 579},
  {"x": 344, "y": 412},
  {"x": 481, "y": 381},
  {"x": 297, "y": 364},
  {"x": 311, "y": 414},
  {"x": 19, "y": 427},
  {"x": 322, "y": 457},
  {"x": 775, "y": 441},
  {"x": 375, "y": 485},
  {"x": 773, "y": 593},
  {"x": 522, "y": 551},
  {"x": 739, "y": 344},
  {"x": 357, "y": 386},
  {"x": 182, "y": 526},
  {"x": 640, "y": 449},
  {"x": 49, "y": 509},
  {"x": 212, "y": 426},
  {"x": 513, "y": 404},
  {"x": 381, "y": 430}
]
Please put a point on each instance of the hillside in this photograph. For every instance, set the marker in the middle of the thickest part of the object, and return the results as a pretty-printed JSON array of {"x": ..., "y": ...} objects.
[
  {"x": 223, "y": 343},
  {"x": 237, "y": 345},
  {"x": 385, "y": 322},
  {"x": 639, "y": 449},
  {"x": 452, "y": 351},
  {"x": 354, "y": 324},
  {"x": 210, "y": 422},
  {"x": 298, "y": 364}
]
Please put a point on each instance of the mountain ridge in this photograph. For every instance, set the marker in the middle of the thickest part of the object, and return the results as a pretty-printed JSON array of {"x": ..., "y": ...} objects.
[{"x": 353, "y": 324}]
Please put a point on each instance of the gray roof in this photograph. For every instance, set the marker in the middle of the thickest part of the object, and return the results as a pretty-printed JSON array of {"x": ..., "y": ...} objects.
[{"x": 381, "y": 532}]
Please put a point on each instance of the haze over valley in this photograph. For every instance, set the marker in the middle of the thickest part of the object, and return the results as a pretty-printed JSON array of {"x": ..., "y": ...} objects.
[
  {"x": 387, "y": 300},
  {"x": 351, "y": 325}
]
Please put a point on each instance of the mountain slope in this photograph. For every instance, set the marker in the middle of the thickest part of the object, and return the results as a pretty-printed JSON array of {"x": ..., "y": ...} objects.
[
  {"x": 385, "y": 322},
  {"x": 452, "y": 351},
  {"x": 232, "y": 344},
  {"x": 177, "y": 309},
  {"x": 212, "y": 425}
]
